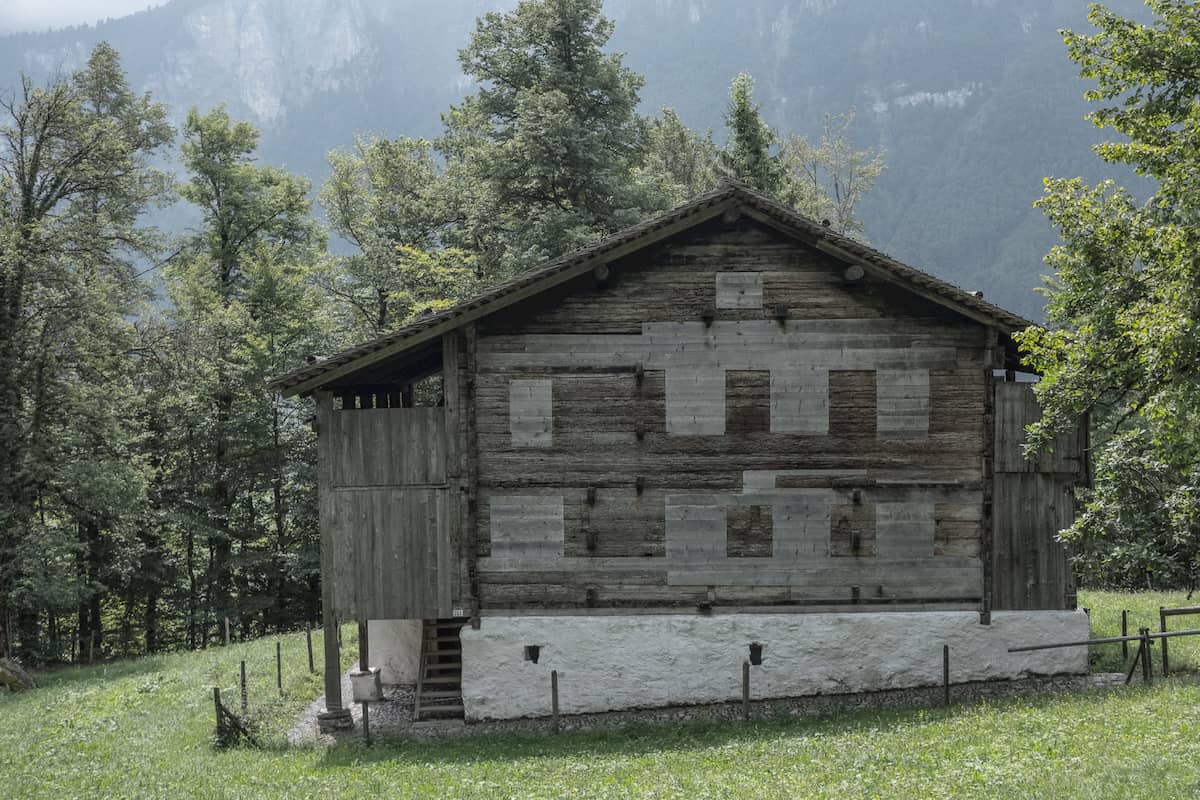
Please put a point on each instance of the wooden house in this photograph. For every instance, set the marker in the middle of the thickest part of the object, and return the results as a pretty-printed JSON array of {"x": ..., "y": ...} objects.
[{"x": 726, "y": 434}]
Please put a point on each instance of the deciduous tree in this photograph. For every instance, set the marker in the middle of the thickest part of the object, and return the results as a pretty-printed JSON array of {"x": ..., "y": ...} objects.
[{"x": 1122, "y": 339}]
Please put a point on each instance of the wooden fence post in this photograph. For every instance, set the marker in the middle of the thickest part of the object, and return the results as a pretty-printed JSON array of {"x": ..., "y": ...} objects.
[
  {"x": 1147, "y": 668},
  {"x": 279, "y": 666},
  {"x": 1162, "y": 626},
  {"x": 308, "y": 640},
  {"x": 1124, "y": 632},
  {"x": 245, "y": 698},
  {"x": 217, "y": 708}
]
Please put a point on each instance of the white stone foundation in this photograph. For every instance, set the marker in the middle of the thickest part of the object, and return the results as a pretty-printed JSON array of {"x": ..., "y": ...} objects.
[
  {"x": 607, "y": 663},
  {"x": 395, "y": 647}
]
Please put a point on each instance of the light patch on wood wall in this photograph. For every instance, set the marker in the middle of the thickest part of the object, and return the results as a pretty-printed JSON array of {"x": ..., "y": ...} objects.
[
  {"x": 531, "y": 413},
  {"x": 695, "y": 527},
  {"x": 802, "y": 524},
  {"x": 739, "y": 290},
  {"x": 902, "y": 403},
  {"x": 800, "y": 400},
  {"x": 527, "y": 526},
  {"x": 904, "y": 530},
  {"x": 696, "y": 402}
]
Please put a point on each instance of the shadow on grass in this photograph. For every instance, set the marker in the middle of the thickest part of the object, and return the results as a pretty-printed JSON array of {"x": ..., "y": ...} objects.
[{"x": 643, "y": 738}]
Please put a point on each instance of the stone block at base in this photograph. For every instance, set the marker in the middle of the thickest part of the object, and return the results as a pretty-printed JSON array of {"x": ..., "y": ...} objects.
[
  {"x": 615, "y": 662},
  {"x": 335, "y": 721}
]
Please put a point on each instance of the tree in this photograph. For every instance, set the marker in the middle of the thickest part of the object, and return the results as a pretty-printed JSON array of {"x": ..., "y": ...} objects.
[
  {"x": 243, "y": 309},
  {"x": 679, "y": 163},
  {"x": 827, "y": 181},
  {"x": 543, "y": 153},
  {"x": 748, "y": 154},
  {"x": 388, "y": 199},
  {"x": 1122, "y": 341},
  {"x": 74, "y": 176}
]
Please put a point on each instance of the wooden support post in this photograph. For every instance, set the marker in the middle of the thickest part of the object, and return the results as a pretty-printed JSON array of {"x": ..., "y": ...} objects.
[
  {"x": 1124, "y": 632},
  {"x": 335, "y": 716},
  {"x": 554, "y": 697},
  {"x": 308, "y": 641},
  {"x": 245, "y": 697},
  {"x": 946, "y": 674},
  {"x": 1162, "y": 626},
  {"x": 1147, "y": 667},
  {"x": 279, "y": 666},
  {"x": 227, "y": 631},
  {"x": 364, "y": 659},
  {"x": 745, "y": 691}
]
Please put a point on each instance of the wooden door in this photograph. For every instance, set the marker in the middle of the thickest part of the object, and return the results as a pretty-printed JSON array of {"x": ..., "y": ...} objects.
[{"x": 1033, "y": 499}]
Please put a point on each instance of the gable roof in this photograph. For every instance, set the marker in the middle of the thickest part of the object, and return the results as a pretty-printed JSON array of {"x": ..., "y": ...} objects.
[{"x": 728, "y": 194}]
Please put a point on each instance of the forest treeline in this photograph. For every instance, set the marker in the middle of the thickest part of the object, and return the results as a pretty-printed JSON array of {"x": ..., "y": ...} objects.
[{"x": 151, "y": 487}]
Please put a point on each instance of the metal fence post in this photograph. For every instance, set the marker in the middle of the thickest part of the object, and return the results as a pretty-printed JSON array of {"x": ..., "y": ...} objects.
[
  {"x": 244, "y": 694},
  {"x": 1124, "y": 632},
  {"x": 745, "y": 691},
  {"x": 946, "y": 674},
  {"x": 554, "y": 697}
]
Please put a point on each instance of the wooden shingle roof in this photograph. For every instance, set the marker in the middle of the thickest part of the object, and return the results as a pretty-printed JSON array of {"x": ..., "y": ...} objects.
[{"x": 729, "y": 194}]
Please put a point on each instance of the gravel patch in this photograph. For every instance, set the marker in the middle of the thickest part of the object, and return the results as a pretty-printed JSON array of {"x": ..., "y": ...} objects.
[{"x": 393, "y": 717}]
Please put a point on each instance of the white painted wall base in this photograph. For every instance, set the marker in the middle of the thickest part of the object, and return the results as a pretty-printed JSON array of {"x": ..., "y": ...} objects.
[
  {"x": 607, "y": 663},
  {"x": 395, "y": 647}
]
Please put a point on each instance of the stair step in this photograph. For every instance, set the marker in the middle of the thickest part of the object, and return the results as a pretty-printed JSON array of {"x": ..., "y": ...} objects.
[
  {"x": 455, "y": 655},
  {"x": 443, "y": 668},
  {"x": 427, "y": 696},
  {"x": 440, "y": 712},
  {"x": 442, "y": 680},
  {"x": 453, "y": 638}
]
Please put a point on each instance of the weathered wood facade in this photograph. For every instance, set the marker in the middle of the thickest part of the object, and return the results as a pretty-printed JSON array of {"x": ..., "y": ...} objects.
[{"x": 729, "y": 408}]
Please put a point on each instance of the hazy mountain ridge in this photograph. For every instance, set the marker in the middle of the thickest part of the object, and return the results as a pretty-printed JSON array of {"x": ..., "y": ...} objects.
[{"x": 975, "y": 101}]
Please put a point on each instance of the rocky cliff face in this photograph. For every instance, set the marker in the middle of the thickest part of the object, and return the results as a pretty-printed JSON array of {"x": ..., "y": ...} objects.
[{"x": 974, "y": 101}]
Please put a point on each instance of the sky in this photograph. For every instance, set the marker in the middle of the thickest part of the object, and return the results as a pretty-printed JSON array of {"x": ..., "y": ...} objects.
[{"x": 36, "y": 15}]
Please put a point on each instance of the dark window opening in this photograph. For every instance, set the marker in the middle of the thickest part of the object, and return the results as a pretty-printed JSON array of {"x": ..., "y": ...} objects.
[
  {"x": 852, "y": 530},
  {"x": 747, "y": 401},
  {"x": 756, "y": 654},
  {"x": 533, "y": 652},
  {"x": 852, "y": 403},
  {"x": 749, "y": 532}
]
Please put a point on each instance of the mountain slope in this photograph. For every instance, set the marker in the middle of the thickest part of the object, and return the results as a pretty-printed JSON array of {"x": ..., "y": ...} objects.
[{"x": 974, "y": 101}]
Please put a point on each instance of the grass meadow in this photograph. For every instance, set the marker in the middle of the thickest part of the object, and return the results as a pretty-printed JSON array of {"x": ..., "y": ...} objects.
[{"x": 143, "y": 729}]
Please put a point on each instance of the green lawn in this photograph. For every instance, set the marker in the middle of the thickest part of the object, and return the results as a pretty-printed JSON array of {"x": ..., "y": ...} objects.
[{"x": 141, "y": 729}]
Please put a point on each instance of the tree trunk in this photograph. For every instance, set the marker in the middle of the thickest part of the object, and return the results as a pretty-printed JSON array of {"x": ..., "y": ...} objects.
[{"x": 150, "y": 620}]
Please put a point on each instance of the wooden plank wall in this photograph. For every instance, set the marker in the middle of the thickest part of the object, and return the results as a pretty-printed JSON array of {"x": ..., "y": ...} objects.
[
  {"x": 1033, "y": 500},
  {"x": 701, "y": 446},
  {"x": 387, "y": 512}
]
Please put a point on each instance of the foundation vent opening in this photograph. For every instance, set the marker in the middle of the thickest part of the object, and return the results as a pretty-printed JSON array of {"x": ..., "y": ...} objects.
[
  {"x": 756, "y": 654},
  {"x": 533, "y": 652}
]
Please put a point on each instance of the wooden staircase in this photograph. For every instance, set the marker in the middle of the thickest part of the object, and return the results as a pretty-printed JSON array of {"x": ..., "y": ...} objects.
[{"x": 439, "y": 684}]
